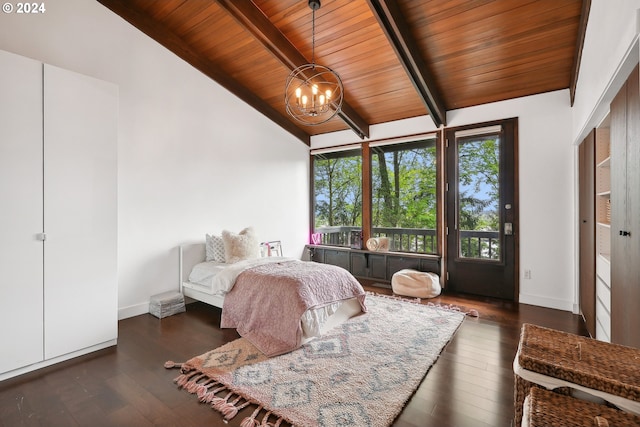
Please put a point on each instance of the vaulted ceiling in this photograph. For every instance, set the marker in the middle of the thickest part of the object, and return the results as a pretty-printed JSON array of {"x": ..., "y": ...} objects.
[{"x": 397, "y": 59}]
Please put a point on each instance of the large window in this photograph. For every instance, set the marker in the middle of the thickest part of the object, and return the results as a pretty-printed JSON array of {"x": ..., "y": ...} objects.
[
  {"x": 402, "y": 186},
  {"x": 337, "y": 188},
  {"x": 450, "y": 194},
  {"x": 403, "y": 195}
]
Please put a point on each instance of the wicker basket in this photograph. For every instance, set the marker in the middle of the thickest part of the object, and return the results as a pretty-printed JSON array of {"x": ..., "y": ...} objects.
[
  {"x": 522, "y": 388},
  {"x": 546, "y": 408},
  {"x": 593, "y": 364}
]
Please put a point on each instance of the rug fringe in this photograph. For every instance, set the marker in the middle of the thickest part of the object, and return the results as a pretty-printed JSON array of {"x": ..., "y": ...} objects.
[
  {"x": 266, "y": 423},
  {"x": 226, "y": 408},
  {"x": 169, "y": 364},
  {"x": 450, "y": 307},
  {"x": 196, "y": 382},
  {"x": 251, "y": 421}
]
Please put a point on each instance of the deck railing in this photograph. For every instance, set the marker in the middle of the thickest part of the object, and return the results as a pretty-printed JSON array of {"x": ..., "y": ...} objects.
[
  {"x": 416, "y": 240},
  {"x": 480, "y": 244},
  {"x": 473, "y": 244}
]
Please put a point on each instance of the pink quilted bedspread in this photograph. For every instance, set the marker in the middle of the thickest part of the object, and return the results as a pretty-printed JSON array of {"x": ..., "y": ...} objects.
[{"x": 266, "y": 302}]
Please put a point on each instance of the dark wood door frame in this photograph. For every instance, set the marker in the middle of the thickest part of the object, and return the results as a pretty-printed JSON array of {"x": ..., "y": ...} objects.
[
  {"x": 586, "y": 178},
  {"x": 509, "y": 159}
]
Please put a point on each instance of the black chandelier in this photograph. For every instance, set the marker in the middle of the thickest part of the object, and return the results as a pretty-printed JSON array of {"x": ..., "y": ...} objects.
[{"x": 313, "y": 93}]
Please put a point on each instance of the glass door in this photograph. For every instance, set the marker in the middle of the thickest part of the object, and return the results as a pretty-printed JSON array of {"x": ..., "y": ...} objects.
[{"x": 482, "y": 210}]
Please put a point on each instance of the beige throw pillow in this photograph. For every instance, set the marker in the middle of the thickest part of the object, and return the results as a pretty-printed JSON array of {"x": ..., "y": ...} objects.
[{"x": 241, "y": 246}]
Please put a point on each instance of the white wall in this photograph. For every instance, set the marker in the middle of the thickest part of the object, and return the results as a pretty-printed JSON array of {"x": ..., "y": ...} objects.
[
  {"x": 608, "y": 56},
  {"x": 546, "y": 186},
  {"x": 192, "y": 158}
]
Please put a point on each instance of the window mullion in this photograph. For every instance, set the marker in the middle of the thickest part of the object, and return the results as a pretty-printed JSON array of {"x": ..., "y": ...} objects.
[{"x": 366, "y": 192}]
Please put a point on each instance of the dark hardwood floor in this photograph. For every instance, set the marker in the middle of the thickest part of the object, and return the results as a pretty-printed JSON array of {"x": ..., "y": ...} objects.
[{"x": 471, "y": 384}]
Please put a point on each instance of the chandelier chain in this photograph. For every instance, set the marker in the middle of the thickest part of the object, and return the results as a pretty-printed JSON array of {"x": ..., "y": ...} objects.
[{"x": 313, "y": 36}]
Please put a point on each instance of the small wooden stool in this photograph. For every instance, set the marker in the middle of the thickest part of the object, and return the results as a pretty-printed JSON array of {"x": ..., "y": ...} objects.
[{"x": 543, "y": 408}]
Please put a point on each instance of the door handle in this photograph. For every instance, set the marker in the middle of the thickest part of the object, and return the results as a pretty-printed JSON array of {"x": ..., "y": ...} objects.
[{"x": 508, "y": 228}]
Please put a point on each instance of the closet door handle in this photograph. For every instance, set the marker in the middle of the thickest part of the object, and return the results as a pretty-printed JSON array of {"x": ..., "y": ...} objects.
[{"x": 625, "y": 233}]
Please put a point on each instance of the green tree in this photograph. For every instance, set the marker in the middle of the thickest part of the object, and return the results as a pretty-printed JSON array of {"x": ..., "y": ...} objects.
[
  {"x": 404, "y": 187},
  {"x": 479, "y": 194},
  {"x": 478, "y": 168},
  {"x": 338, "y": 191},
  {"x": 403, "y": 183}
]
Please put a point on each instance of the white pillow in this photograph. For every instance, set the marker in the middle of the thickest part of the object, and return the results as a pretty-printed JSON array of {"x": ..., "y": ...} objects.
[
  {"x": 214, "y": 248},
  {"x": 241, "y": 246}
]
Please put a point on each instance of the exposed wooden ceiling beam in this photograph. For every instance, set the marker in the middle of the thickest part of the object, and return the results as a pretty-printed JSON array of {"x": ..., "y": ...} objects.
[
  {"x": 184, "y": 51},
  {"x": 396, "y": 28},
  {"x": 582, "y": 30},
  {"x": 254, "y": 20}
]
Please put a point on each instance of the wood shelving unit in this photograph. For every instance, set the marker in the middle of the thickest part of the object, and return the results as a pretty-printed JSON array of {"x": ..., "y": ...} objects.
[{"x": 603, "y": 233}]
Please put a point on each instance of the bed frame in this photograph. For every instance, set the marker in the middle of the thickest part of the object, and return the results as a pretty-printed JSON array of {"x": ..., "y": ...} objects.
[
  {"x": 194, "y": 253},
  {"x": 190, "y": 255}
]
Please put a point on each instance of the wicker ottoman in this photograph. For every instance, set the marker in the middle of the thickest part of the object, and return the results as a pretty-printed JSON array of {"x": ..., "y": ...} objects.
[
  {"x": 562, "y": 361},
  {"x": 543, "y": 408}
]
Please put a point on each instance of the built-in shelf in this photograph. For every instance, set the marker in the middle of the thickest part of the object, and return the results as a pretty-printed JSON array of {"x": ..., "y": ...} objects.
[
  {"x": 603, "y": 233},
  {"x": 605, "y": 163}
]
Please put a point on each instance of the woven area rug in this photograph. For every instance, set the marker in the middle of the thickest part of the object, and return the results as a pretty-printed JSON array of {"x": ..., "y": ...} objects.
[{"x": 361, "y": 373}]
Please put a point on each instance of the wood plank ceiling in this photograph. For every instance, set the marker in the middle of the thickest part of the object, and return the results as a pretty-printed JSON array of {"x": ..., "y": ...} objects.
[{"x": 397, "y": 59}]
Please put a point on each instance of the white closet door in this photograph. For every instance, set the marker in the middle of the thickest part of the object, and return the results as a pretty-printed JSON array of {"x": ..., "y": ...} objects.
[
  {"x": 20, "y": 211},
  {"x": 80, "y": 211}
]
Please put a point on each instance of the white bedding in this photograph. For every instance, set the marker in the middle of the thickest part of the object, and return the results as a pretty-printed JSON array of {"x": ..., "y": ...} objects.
[
  {"x": 202, "y": 275},
  {"x": 317, "y": 321},
  {"x": 215, "y": 278},
  {"x": 218, "y": 278}
]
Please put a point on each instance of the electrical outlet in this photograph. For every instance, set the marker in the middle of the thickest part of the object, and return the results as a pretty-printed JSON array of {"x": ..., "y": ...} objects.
[{"x": 527, "y": 274}]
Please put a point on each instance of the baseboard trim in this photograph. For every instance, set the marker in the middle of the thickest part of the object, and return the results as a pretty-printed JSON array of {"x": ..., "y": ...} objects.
[
  {"x": 54, "y": 360},
  {"x": 546, "y": 302},
  {"x": 133, "y": 310}
]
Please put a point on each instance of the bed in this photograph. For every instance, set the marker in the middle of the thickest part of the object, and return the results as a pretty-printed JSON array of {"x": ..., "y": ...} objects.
[{"x": 253, "y": 294}]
